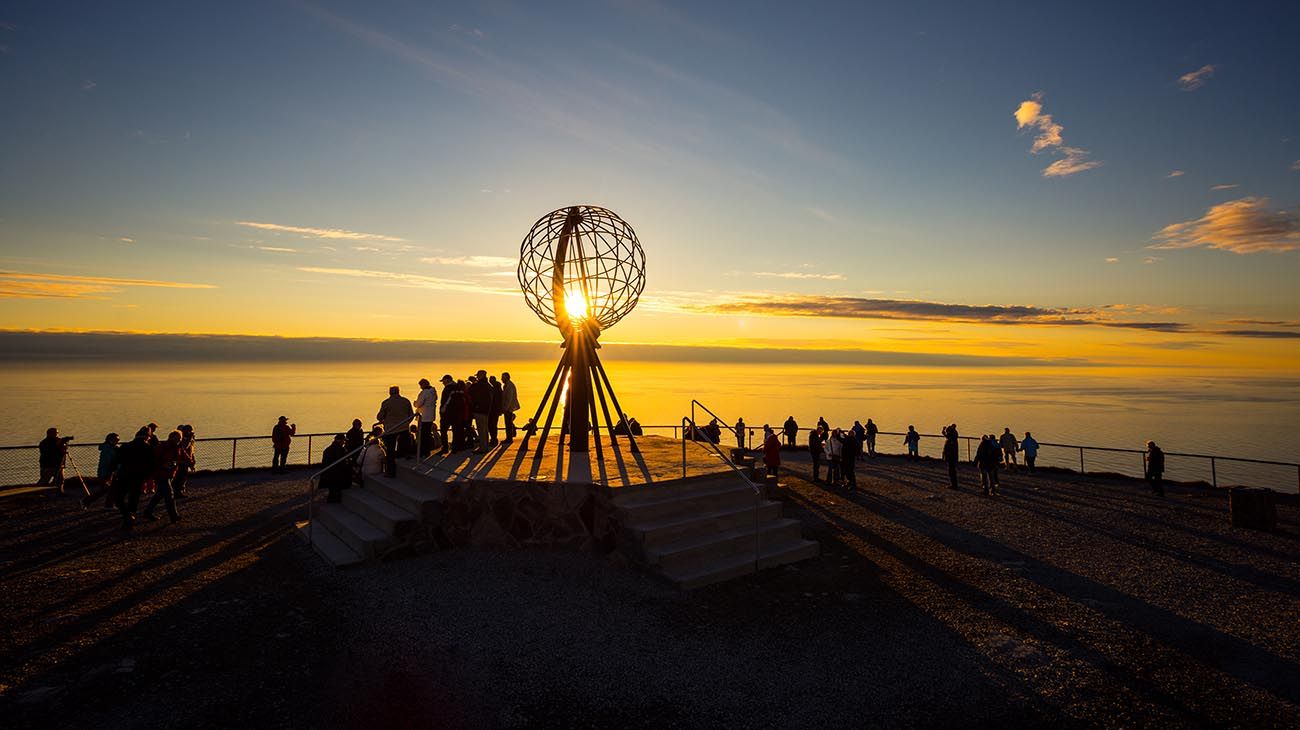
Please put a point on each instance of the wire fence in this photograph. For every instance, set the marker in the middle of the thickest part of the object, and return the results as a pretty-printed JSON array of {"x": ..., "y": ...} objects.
[{"x": 19, "y": 465}]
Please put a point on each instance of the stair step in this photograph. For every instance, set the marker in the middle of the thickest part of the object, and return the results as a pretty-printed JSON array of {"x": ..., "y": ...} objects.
[
  {"x": 678, "y": 527},
  {"x": 682, "y": 555},
  {"x": 659, "y": 490},
  {"x": 420, "y": 500},
  {"x": 734, "y": 566},
  {"x": 325, "y": 544},
  {"x": 364, "y": 538},
  {"x": 732, "y": 494},
  {"x": 381, "y": 513}
]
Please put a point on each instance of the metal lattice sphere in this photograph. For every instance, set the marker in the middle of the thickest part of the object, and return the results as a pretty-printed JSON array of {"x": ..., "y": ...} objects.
[{"x": 581, "y": 264}]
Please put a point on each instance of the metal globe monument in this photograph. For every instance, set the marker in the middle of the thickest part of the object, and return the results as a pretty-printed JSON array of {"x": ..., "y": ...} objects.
[{"x": 582, "y": 270}]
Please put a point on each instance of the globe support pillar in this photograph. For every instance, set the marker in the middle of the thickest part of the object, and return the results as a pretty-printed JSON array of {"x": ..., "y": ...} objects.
[{"x": 580, "y": 403}]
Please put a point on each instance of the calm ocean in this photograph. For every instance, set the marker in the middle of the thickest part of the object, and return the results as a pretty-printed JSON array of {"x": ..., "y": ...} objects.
[{"x": 1254, "y": 418}]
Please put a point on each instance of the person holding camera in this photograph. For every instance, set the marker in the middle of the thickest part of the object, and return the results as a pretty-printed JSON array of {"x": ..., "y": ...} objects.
[
  {"x": 281, "y": 437},
  {"x": 53, "y": 452}
]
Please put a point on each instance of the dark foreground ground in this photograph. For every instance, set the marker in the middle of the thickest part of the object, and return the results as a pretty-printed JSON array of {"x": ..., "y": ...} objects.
[{"x": 1067, "y": 601}]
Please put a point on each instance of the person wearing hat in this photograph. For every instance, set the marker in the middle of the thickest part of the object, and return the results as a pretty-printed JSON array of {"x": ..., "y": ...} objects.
[
  {"x": 426, "y": 404},
  {"x": 337, "y": 474},
  {"x": 281, "y": 437},
  {"x": 450, "y": 409}
]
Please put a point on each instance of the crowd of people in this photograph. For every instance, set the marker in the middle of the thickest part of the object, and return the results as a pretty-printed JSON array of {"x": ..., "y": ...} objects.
[
  {"x": 840, "y": 450},
  {"x": 145, "y": 466}
]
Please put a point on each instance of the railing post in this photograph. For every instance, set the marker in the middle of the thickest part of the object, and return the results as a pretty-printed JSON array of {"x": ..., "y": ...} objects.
[
  {"x": 234, "y": 446},
  {"x": 308, "y": 449},
  {"x": 1081, "y": 460},
  {"x": 967, "y": 440},
  {"x": 1214, "y": 474}
]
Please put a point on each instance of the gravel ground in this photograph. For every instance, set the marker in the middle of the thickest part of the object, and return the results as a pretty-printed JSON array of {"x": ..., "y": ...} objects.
[{"x": 1069, "y": 600}]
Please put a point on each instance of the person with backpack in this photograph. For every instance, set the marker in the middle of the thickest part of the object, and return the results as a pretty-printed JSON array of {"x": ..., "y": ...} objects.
[
  {"x": 913, "y": 442},
  {"x": 1029, "y": 447},
  {"x": 1155, "y": 468}
]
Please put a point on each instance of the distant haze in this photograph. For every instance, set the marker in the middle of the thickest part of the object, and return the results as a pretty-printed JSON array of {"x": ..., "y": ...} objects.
[{"x": 18, "y": 346}]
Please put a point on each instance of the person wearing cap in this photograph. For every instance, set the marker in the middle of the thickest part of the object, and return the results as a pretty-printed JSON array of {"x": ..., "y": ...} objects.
[
  {"x": 426, "y": 404},
  {"x": 394, "y": 415},
  {"x": 53, "y": 452},
  {"x": 337, "y": 474},
  {"x": 281, "y": 437},
  {"x": 450, "y": 409}
]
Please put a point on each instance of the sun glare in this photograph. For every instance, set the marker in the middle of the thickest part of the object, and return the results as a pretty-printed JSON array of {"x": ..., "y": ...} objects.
[{"x": 576, "y": 305}]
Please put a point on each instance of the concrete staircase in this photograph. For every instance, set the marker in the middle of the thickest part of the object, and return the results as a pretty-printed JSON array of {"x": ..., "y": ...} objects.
[
  {"x": 708, "y": 529},
  {"x": 373, "y": 520}
]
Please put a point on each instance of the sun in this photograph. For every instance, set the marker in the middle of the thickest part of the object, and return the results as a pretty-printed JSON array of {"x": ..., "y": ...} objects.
[{"x": 576, "y": 305}]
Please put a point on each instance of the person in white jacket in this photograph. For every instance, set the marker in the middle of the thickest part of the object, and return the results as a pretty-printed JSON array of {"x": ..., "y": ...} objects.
[{"x": 426, "y": 404}]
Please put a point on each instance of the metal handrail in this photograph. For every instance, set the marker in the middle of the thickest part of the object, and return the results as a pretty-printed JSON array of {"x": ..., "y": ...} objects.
[
  {"x": 758, "y": 493},
  {"x": 314, "y": 478}
]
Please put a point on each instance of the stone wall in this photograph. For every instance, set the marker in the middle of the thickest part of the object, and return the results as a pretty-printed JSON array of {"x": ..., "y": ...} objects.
[{"x": 537, "y": 514}]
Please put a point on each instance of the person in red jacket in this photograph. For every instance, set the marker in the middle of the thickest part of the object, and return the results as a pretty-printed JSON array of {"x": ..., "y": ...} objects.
[
  {"x": 167, "y": 461},
  {"x": 281, "y": 437},
  {"x": 771, "y": 450}
]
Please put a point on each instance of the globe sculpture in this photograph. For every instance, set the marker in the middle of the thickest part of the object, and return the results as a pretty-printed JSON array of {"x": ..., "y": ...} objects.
[{"x": 581, "y": 269}]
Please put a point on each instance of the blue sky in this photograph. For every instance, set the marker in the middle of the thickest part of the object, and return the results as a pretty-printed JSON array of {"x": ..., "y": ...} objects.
[{"x": 759, "y": 149}]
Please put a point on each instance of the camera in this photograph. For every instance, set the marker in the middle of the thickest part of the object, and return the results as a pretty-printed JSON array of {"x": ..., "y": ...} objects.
[{"x": 66, "y": 439}]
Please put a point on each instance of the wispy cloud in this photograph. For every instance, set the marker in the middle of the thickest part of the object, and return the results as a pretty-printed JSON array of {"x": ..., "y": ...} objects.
[
  {"x": 799, "y": 275},
  {"x": 410, "y": 281},
  {"x": 1175, "y": 173},
  {"x": 474, "y": 33},
  {"x": 30, "y": 285},
  {"x": 1265, "y": 322},
  {"x": 277, "y": 249},
  {"x": 477, "y": 262},
  {"x": 126, "y": 239},
  {"x": 1048, "y": 136},
  {"x": 1193, "y": 80},
  {"x": 1112, "y": 260},
  {"x": 1262, "y": 334},
  {"x": 819, "y": 213},
  {"x": 911, "y": 309},
  {"x": 87, "y": 85},
  {"x": 1224, "y": 186},
  {"x": 1240, "y": 226},
  {"x": 331, "y": 233}
]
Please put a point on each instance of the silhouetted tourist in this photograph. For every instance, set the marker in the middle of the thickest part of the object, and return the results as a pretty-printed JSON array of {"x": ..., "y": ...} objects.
[
  {"x": 467, "y": 412},
  {"x": 859, "y": 431},
  {"x": 509, "y": 404},
  {"x": 1030, "y": 449},
  {"x": 951, "y": 453},
  {"x": 1155, "y": 468},
  {"x": 394, "y": 414},
  {"x": 987, "y": 458},
  {"x": 872, "y": 431},
  {"x": 185, "y": 464},
  {"x": 372, "y": 459},
  {"x": 355, "y": 438},
  {"x": 494, "y": 415},
  {"x": 281, "y": 438},
  {"x": 1009, "y": 447},
  {"x": 450, "y": 409},
  {"x": 337, "y": 474},
  {"x": 53, "y": 452},
  {"x": 850, "y": 451},
  {"x": 739, "y": 430},
  {"x": 913, "y": 443},
  {"x": 104, "y": 472},
  {"x": 791, "y": 429},
  {"x": 834, "y": 448},
  {"x": 771, "y": 451},
  {"x": 426, "y": 404},
  {"x": 153, "y": 442},
  {"x": 825, "y": 427},
  {"x": 480, "y": 395},
  {"x": 816, "y": 450},
  {"x": 135, "y": 464},
  {"x": 712, "y": 431},
  {"x": 168, "y": 455},
  {"x": 634, "y": 425}
]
